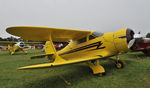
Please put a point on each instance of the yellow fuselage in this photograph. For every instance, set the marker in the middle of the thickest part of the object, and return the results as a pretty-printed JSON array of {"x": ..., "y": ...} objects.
[{"x": 107, "y": 45}]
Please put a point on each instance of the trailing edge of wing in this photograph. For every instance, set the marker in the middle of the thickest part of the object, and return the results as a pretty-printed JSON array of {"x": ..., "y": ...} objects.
[
  {"x": 60, "y": 63},
  {"x": 43, "y": 33}
]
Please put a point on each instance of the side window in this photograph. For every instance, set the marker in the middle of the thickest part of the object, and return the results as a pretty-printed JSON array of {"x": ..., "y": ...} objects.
[
  {"x": 81, "y": 40},
  {"x": 91, "y": 37}
]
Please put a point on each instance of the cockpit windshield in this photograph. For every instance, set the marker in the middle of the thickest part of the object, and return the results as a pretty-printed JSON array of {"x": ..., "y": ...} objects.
[
  {"x": 93, "y": 36},
  {"x": 21, "y": 44},
  {"x": 97, "y": 34}
]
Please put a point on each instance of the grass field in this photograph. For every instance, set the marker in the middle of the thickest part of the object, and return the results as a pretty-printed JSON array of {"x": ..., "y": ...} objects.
[{"x": 136, "y": 73}]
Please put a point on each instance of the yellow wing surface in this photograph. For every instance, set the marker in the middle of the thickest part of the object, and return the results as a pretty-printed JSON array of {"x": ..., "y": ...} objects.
[
  {"x": 44, "y": 33},
  {"x": 62, "y": 62},
  {"x": 5, "y": 43}
]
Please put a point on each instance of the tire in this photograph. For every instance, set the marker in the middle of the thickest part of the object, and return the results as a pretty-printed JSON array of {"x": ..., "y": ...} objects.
[{"x": 119, "y": 64}]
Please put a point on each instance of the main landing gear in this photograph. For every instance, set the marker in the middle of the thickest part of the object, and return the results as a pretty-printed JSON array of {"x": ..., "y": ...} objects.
[
  {"x": 118, "y": 63},
  {"x": 96, "y": 67},
  {"x": 99, "y": 69}
]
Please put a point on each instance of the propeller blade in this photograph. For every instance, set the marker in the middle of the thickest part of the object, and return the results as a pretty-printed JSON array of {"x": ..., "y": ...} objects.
[{"x": 131, "y": 43}]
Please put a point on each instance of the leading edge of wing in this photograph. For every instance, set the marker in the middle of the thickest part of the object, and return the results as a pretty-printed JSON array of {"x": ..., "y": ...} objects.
[
  {"x": 43, "y": 33},
  {"x": 46, "y": 65}
]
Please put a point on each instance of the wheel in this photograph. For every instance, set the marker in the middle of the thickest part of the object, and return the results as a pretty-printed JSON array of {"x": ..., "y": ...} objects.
[{"x": 119, "y": 64}]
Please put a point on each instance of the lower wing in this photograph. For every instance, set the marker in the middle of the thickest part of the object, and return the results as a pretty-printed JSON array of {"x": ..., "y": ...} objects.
[{"x": 61, "y": 61}]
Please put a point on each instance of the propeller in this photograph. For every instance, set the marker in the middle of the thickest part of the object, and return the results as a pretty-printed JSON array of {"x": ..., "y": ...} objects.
[
  {"x": 20, "y": 44},
  {"x": 133, "y": 38}
]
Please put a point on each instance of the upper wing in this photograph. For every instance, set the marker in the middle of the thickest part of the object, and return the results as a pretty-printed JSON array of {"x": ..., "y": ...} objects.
[
  {"x": 61, "y": 62},
  {"x": 45, "y": 33},
  {"x": 5, "y": 43}
]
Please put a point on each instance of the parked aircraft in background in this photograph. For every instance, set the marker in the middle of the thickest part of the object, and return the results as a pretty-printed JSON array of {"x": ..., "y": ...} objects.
[
  {"x": 143, "y": 45},
  {"x": 17, "y": 46}
]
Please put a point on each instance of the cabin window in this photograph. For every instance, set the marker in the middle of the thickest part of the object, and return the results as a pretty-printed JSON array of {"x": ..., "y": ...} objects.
[
  {"x": 81, "y": 40},
  {"x": 91, "y": 37}
]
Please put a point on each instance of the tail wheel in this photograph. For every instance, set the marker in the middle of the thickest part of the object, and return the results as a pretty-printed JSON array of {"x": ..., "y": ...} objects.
[{"x": 119, "y": 64}]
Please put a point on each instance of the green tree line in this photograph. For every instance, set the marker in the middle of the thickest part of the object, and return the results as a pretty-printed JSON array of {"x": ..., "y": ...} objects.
[
  {"x": 14, "y": 39},
  {"x": 148, "y": 35}
]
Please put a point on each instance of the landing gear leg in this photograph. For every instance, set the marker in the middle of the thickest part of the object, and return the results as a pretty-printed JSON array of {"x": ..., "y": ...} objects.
[
  {"x": 118, "y": 63},
  {"x": 96, "y": 67}
]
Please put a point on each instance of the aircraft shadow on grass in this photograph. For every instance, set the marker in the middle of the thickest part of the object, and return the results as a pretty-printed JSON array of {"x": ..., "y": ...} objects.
[
  {"x": 137, "y": 56},
  {"x": 81, "y": 73}
]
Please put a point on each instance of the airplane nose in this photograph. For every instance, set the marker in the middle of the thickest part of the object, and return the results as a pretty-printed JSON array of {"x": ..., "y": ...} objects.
[
  {"x": 130, "y": 38},
  {"x": 130, "y": 35}
]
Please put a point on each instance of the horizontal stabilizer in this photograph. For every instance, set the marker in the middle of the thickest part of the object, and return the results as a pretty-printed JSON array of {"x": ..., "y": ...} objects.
[
  {"x": 41, "y": 56},
  {"x": 77, "y": 60}
]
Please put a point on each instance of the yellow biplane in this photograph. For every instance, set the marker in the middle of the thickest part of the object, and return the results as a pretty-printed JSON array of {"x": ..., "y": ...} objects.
[
  {"x": 17, "y": 46},
  {"x": 84, "y": 46}
]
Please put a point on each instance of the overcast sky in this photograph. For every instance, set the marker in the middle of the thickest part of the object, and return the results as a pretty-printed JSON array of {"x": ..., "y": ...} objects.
[{"x": 98, "y": 15}]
